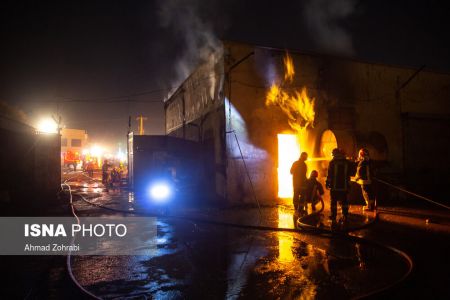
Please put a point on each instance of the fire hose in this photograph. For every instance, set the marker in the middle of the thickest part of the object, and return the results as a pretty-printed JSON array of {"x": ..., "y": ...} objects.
[
  {"x": 68, "y": 261},
  {"x": 313, "y": 230},
  {"x": 411, "y": 193}
]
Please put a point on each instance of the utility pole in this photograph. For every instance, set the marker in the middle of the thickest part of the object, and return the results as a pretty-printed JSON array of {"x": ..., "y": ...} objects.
[{"x": 141, "y": 120}]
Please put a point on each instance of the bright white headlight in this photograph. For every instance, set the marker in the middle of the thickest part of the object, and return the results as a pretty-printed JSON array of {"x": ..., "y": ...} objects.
[{"x": 160, "y": 191}]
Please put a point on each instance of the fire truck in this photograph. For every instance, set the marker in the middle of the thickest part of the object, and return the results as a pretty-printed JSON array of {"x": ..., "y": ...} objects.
[{"x": 71, "y": 158}]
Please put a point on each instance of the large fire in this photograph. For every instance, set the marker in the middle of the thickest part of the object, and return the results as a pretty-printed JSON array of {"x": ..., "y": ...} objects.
[
  {"x": 299, "y": 109},
  {"x": 288, "y": 152}
]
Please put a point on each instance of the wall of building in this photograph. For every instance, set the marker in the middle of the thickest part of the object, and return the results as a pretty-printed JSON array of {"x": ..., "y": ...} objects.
[
  {"x": 68, "y": 135},
  {"x": 196, "y": 112},
  {"x": 364, "y": 104},
  {"x": 253, "y": 128},
  {"x": 47, "y": 170},
  {"x": 30, "y": 173}
]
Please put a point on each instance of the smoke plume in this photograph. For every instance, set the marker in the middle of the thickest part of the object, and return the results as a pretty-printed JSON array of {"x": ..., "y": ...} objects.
[
  {"x": 13, "y": 112},
  {"x": 324, "y": 19},
  {"x": 198, "y": 41}
]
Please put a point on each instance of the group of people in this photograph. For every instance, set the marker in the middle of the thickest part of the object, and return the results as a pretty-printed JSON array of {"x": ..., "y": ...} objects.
[
  {"x": 340, "y": 170},
  {"x": 110, "y": 177},
  {"x": 90, "y": 168}
]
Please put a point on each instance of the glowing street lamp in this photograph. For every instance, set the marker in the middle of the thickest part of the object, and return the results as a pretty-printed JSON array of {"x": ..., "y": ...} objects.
[
  {"x": 47, "y": 125},
  {"x": 97, "y": 151}
]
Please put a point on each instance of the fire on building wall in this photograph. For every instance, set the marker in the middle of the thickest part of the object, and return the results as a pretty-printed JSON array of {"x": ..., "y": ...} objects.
[{"x": 254, "y": 109}]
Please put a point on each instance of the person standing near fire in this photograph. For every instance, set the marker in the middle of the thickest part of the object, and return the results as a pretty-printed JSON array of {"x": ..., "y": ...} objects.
[
  {"x": 298, "y": 171},
  {"x": 338, "y": 181},
  {"x": 314, "y": 190},
  {"x": 364, "y": 173},
  {"x": 105, "y": 174},
  {"x": 90, "y": 168}
]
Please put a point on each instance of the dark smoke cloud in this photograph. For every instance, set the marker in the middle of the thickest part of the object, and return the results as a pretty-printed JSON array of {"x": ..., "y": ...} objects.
[
  {"x": 324, "y": 20},
  {"x": 13, "y": 112}
]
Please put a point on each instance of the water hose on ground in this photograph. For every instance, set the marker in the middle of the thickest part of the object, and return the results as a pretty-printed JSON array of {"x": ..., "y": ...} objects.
[{"x": 312, "y": 230}]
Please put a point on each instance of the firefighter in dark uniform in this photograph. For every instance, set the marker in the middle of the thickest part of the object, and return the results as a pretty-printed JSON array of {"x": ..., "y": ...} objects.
[
  {"x": 364, "y": 173},
  {"x": 90, "y": 168},
  {"x": 105, "y": 174},
  {"x": 338, "y": 181},
  {"x": 298, "y": 171},
  {"x": 314, "y": 190}
]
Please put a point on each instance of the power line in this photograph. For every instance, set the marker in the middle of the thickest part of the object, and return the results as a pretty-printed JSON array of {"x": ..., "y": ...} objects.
[
  {"x": 112, "y": 99},
  {"x": 106, "y": 101},
  {"x": 124, "y": 98}
]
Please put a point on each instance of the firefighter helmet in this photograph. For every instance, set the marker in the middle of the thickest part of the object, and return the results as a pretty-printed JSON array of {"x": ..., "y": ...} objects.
[
  {"x": 314, "y": 174},
  {"x": 336, "y": 152},
  {"x": 363, "y": 153}
]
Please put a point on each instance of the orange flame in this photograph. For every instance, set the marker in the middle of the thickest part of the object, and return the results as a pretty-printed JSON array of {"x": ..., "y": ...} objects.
[
  {"x": 299, "y": 109},
  {"x": 298, "y": 106},
  {"x": 289, "y": 70}
]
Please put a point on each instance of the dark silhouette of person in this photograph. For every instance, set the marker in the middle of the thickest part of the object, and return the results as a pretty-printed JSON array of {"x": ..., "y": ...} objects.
[
  {"x": 364, "y": 173},
  {"x": 314, "y": 190},
  {"x": 338, "y": 181},
  {"x": 298, "y": 171}
]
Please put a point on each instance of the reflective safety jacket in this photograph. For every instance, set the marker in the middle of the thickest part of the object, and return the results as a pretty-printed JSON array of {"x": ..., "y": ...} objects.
[
  {"x": 339, "y": 173},
  {"x": 364, "y": 172}
]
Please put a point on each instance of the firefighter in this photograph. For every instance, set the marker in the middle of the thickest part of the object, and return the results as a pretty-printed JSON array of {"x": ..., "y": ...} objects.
[
  {"x": 364, "y": 173},
  {"x": 298, "y": 171},
  {"x": 90, "y": 168},
  {"x": 115, "y": 175},
  {"x": 105, "y": 172},
  {"x": 338, "y": 181},
  {"x": 314, "y": 190}
]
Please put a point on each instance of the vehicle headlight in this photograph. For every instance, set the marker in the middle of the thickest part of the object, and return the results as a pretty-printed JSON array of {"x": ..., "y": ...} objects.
[{"x": 160, "y": 191}]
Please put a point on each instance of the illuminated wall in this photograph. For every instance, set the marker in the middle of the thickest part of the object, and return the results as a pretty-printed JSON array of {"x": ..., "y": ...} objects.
[{"x": 362, "y": 103}]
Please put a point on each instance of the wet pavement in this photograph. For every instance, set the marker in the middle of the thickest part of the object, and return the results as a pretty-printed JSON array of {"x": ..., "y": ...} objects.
[
  {"x": 197, "y": 259},
  {"x": 198, "y": 256},
  {"x": 279, "y": 216}
]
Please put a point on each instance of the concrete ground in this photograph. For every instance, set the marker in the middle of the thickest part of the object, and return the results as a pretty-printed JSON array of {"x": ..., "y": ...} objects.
[{"x": 199, "y": 257}]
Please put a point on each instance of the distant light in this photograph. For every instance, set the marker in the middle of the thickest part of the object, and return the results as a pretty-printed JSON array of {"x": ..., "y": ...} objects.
[
  {"x": 121, "y": 156},
  {"x": 97, "y": 151},
  {"x": 160, "y": 191},
  {"x": 47, "y": 126}
]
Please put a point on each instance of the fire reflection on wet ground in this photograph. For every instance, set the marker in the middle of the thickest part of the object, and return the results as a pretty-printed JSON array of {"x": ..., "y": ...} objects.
[{"x": 196, "y": 260}]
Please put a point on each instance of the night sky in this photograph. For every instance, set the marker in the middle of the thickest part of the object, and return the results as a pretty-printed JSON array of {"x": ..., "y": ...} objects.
[{"x": 96, "y": 62}]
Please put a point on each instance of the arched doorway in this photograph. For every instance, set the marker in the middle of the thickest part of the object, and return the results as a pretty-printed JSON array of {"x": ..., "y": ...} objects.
[
  {"x": 327, "y": 143},
  {"x": 331, "y": 139}
]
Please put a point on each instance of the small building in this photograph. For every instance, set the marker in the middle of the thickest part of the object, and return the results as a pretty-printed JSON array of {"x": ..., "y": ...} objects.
[
  {"x": 73, "y": 141},
  {"x": 400, "y": 114}
]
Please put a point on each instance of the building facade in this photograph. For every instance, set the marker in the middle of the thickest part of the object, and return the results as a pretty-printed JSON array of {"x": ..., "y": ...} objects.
[
  {"x": 74, "y": 141},
  {"x": 400, "y": 114}
]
